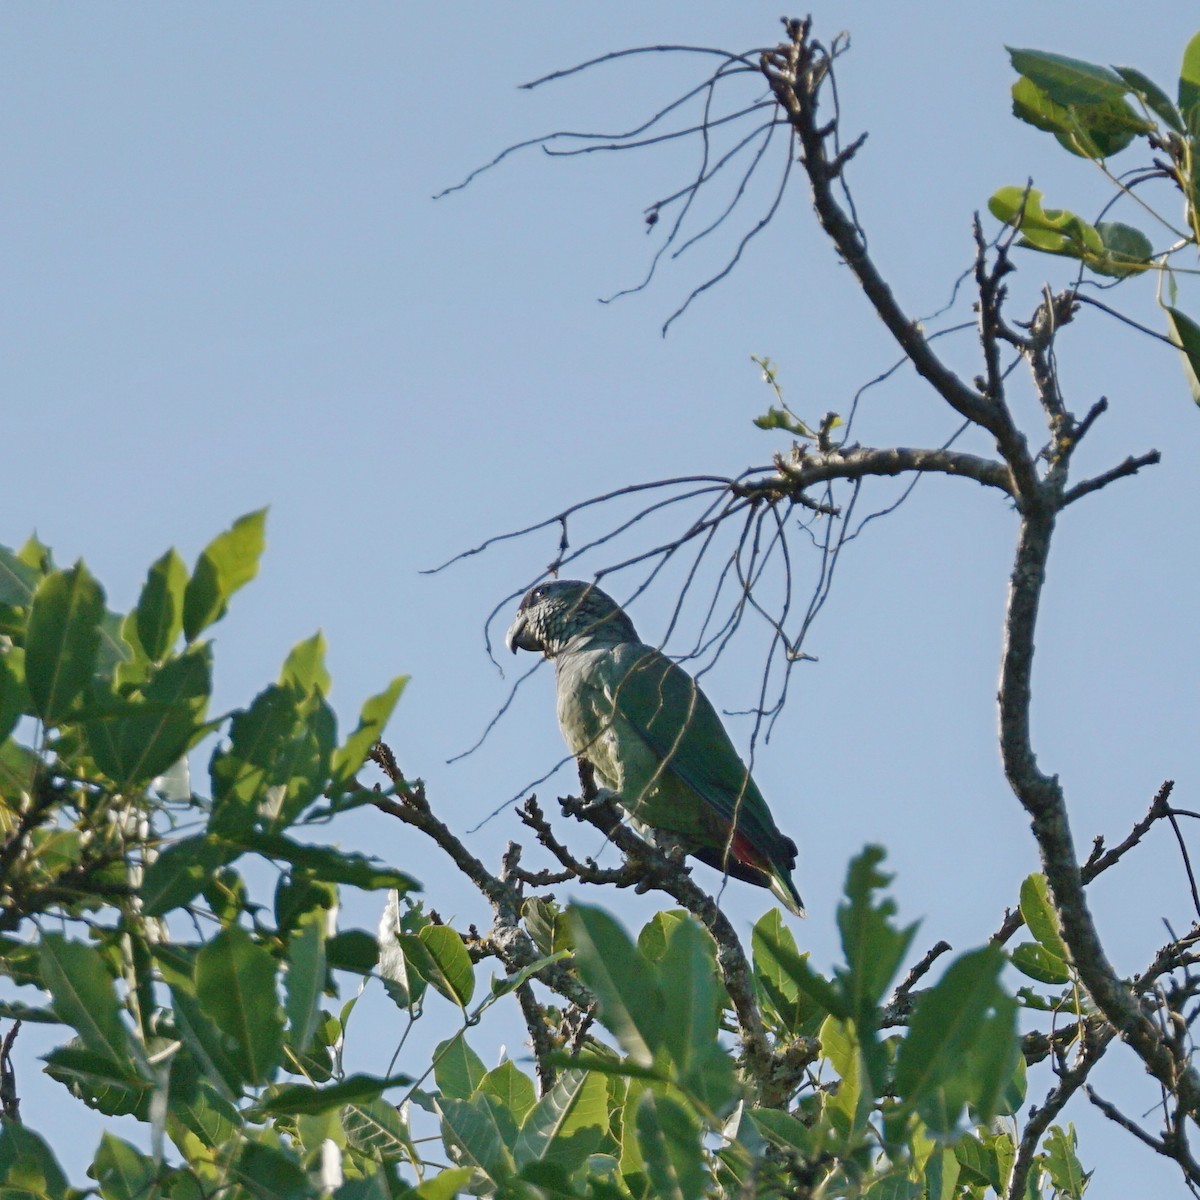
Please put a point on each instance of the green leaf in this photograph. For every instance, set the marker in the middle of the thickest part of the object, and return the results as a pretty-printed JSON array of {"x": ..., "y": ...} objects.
[
  {"x": 784, "y": 1130},
  {"x": 159, "y": 614},
  {"x": 451, "y": 1183},
  {"x": 1062, "y": 1162},
  {"x": 1154, "y": 98},
  {"x": 235, "y": 984},
  {"x": 62, "y": 640},
  {"x": 122, "y": 1172},
  {"x": 479, "y": 1133},
  {"x": 1083, "y": 105},
  {"x": 625, "y": 985},
  {"x": 271, "y": 1174},
  {"x": 300, "y": 1098},
  {"x": 353, "y": 950},
  {"x": 850, "y": 1106},
  {"x": 457, "y": 1069},
  {"x": 1185, "y": 333},
  {"x": 17, "y": 580},
  {"x": 785, "y": 969},
  {"x": 941, "y": 1174},
  {"x": 14, "y": 695},
  {"x": 568, "y": 1122},
  {"x": 206, "y": 1041},
  {"x": 873, "y": 946},
  {"x": 375, "y": 715},
  {"x": 25, "y": 1157},
  {"x": 203, "y": 1112},
  {"x": 326, "y": 862},
  {"x": 227, "y": 563},
  {"x": 137, "y": 740},
  {"x": 438, "y": 955},
  {"x": 1040, "y": 916},
  {"x": 511, "y": 1087},
  {"x": 84, "y": 998},
  {"x": 1127, "y": 251},
  {"x": 1053, "y": 230},
  {"x": 305, "y": 980},
  {"x": 781, "y": 418},
  {"x": 108, "y": 1087},
  {"x": 305, "y": 666},
  {"x": 669, "y": 1140},
  {"x": 181, "y": 871},
  {"x": 960, "y": 1042},
  {"x": 693, "y": 997},
  {"x": 1034, "y": 960},
  {"x": 1068, "y": 81},
  {"x": 276, "y": 762},
  {"x": 1189, "y": 86},
  {"x": 374, "y": 1128}
]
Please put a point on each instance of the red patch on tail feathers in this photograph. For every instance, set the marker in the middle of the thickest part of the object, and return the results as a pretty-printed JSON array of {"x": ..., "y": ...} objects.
[{"x": 744, "y": 851}]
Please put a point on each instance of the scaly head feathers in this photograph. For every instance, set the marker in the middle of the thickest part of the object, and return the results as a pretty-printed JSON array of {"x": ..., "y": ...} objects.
[{"x": 562, "y": 611}]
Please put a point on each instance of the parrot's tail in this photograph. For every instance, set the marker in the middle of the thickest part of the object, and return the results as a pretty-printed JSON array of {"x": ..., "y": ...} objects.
[
  {"x": 785, "y": 890},
  {"x": 778, "y": 877}
]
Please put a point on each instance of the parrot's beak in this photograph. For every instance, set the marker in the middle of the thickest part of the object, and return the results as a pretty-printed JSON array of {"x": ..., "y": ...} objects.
[{"x": 519, "y": 637}]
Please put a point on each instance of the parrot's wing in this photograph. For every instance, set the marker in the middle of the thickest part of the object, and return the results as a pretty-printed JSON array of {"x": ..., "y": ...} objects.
[{"x": 664, "y": 706}]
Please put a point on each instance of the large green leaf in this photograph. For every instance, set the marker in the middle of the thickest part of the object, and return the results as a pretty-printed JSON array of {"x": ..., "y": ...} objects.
[
  {"x": 227, "y": 563},
  {"x": 235, "y": 984},
  {"x": 624, "y": 983},
  {"x": 457, "y": 1069},
  {"x": 269, "y": 1173},
  {"x": 24, "y": 1158},
  {"x": 300, "y": 1098},
  {"x": 62, "y": 640},
  {"x": 479, "y": 1133},
  {"x": 777, "y": 965},
  {"x": 1062, "y": 1162},
  {"x": 122, "y": 1172},
  {"x": 567, "y": 1124},
  {"x": 669, "y": 1139},
  {"x": 327, "y": 863},
  {"x": 1068, "y": 80},
  {"x": 273, "y": 753},
  {"x": 108, "y": 1087},
  {"x": 960, "y": 1042},
  {"x": 512, "y": 1087},
  {"x": 159, "y": 613},
  {"x": 84, "y": 997}
]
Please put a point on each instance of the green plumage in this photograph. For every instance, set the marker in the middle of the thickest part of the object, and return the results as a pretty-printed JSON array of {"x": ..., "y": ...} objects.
[{"x": 652, "y": 736}]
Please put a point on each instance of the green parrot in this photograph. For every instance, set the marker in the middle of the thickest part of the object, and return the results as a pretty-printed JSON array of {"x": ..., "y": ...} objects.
[{"x": 652, "y": 736}]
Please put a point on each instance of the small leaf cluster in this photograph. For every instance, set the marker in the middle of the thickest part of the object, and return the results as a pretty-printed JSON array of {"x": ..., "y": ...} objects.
[{"x": 1096, "y": 112}]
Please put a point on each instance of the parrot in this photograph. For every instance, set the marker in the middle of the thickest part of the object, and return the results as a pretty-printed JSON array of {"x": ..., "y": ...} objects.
[{"x": 651, "y": 735}]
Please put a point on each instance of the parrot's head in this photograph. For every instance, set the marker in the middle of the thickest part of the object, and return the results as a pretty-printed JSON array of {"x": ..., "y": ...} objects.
[{"x": 555, "y": 613}]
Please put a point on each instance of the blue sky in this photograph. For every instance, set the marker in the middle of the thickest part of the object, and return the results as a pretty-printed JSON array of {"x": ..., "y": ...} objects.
[{"x": 227, "y": 286}]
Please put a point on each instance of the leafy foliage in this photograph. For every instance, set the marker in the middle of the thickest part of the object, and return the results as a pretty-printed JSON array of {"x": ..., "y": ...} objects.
[
  {"x": 1097, "y": 112},
  {"x": 222, "y": 1037}
]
